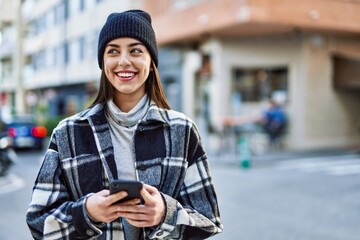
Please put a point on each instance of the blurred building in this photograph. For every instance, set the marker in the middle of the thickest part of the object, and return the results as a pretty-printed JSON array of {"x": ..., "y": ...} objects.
[
  {"x": 236, "y": 54},
  {"x": 11, "y": 56},
  {"x": 217, "y": 58},
  {"x": 59, "y": 74}
]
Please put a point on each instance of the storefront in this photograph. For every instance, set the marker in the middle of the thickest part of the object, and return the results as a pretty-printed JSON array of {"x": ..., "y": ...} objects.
[{"x": 299, "y": 71}]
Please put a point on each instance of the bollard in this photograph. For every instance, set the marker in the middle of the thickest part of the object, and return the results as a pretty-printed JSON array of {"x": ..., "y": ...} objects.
[{"x": 245, "y": 153}]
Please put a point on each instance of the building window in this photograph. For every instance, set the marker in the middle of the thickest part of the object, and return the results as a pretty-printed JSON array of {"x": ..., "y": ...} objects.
[
  {"x": 50, "y": 18},
  {"x": 39, "y": 60},
  {"x": 73, "y": 51},
  {"x": 82, "y": 5},
  {"x": 60, "y": 13},
  {"x": 42, "y": 23},
  {"x": 82, "y": 46},
  {"x": 66, "y": 52},
  {"x": 49, "y": 58},
  {"x": 259, "y": 84},
  {"x": 6, "y": 68},
  {"x": 66, "y": 6},
  {"x": 62, "y": 54},
  {"x": 346, "y": 72},
  {"x": 54, "y": 55}
]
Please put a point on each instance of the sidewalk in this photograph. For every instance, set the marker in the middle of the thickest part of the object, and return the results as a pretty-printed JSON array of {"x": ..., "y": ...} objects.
[
  {"x": 307, "y": 153},
  {"x": 271, "y": 157},
  {"x": 10, "y": 182},
  {"x": 4, "y": 180}
]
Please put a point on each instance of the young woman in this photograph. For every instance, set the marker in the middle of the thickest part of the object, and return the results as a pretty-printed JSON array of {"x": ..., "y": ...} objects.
[{"x": 130, "y": 133}]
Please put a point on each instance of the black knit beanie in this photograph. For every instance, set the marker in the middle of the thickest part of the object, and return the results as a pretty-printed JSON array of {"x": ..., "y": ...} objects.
[{"x": 132, "y": 23}]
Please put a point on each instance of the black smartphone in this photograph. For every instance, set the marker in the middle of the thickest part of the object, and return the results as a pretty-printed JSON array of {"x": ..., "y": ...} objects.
[{"x": 131, "y": 187}]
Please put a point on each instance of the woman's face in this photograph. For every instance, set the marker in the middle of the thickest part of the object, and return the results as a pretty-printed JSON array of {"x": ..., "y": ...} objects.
[{"x": 127, "y": 66}]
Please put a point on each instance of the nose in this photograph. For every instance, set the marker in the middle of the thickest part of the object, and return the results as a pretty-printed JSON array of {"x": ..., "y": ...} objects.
[{"x": 124, "y": 59}]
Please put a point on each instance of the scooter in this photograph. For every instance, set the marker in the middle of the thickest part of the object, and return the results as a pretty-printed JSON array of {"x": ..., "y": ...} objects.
[{"x": 7, "y": 153}]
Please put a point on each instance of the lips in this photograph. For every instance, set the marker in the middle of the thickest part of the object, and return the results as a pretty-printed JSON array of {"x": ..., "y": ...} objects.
[{"x": 125, "y": 75}]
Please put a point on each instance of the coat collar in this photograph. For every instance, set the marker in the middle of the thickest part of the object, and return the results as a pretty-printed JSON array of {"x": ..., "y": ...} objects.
[{"x": 97, "y": 113}]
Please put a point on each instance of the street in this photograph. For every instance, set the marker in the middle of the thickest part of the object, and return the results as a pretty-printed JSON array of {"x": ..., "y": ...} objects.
[
  {"x": 15, "y": 191},
  {"x": 304, "y": 198}
]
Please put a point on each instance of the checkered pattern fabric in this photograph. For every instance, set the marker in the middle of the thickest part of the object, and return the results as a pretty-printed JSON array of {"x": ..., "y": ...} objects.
[{"x": 80, "y": 161}]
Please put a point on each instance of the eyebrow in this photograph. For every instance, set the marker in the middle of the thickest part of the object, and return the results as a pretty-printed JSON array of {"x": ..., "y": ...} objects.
[{"x": 129, "y": 45}]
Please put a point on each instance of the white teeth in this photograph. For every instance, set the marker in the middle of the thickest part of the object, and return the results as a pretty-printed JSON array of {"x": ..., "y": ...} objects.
[{"x": 125, "y": 74}]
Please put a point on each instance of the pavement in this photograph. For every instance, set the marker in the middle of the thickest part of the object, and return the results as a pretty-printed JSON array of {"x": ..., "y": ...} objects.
[
  {"x": 307, "y": 153},
  {"x": 272, "y": 157},
  {"x": 10, "y": 183}
]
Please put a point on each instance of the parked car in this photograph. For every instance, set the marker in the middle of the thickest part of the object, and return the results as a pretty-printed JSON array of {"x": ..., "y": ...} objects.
[{"x": 25, "y": 132}]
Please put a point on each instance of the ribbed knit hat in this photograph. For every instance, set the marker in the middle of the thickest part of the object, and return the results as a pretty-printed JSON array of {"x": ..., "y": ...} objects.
[{"x": 132, "y": 23}]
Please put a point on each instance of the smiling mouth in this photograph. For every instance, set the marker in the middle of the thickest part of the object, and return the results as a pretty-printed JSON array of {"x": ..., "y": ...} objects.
[{"x": 125, "y": 75}]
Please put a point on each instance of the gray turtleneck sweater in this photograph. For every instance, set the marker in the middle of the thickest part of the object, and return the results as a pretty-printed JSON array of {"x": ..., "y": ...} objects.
[{"x": 122, "y": 127}]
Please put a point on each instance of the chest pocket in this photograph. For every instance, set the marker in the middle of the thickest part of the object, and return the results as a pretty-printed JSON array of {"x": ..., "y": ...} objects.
[
  {"x": 166, "y": 174},
  {"x": 151, "y": 172},
  {"x": 150, "y": 150},
  {"x": 159, "y": 157}
]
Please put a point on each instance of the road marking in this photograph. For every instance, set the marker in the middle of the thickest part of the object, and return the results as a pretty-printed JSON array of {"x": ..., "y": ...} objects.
[
  {"x": 331, "y": 165},
  {"x": 10, "y": 183}
]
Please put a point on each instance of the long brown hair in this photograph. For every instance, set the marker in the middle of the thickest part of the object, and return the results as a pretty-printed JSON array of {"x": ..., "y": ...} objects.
[{"x": 153, "y": 88}]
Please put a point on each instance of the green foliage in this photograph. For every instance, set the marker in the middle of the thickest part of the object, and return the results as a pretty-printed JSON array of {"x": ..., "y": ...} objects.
[{"x": 51, "y": 123}]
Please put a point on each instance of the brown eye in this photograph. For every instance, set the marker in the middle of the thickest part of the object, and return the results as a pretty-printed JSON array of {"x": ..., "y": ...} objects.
[
  {"x": 136, "y": 50},
  {"x": 112, "y": 51}
]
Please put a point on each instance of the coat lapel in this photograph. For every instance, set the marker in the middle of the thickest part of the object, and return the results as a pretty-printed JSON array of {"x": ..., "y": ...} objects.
[{"x": 102, "y": 136}]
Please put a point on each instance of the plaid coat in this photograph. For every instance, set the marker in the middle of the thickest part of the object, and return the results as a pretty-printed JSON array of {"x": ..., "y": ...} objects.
[{"x": 80, "y": 161}]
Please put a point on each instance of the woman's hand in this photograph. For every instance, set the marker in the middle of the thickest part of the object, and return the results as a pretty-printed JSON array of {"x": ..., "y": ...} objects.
[
  {"x": 148, "y": 214},
  {"x": 101, "y": 208}
]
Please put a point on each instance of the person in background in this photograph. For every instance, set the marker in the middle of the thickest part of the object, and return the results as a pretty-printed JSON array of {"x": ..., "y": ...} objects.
[
  {"x": 273, "y": 121},
  {"x": 129, "y": 132}
]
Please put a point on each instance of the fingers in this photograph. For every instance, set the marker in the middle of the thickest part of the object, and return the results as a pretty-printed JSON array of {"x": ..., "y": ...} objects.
[
  {"x": 149, "y": 188},
  {"x": 104, "y": 193},
  {"x": 116, "y": 197},
  {"x": 138, "y": 216},
  {"x": 111, "y": 198},
  {"x": 100, "y": 206},
  {"x": 148, "y": 192},
  {"x": 112, "y": 212},
  {"x": 150, "y": 213}
]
